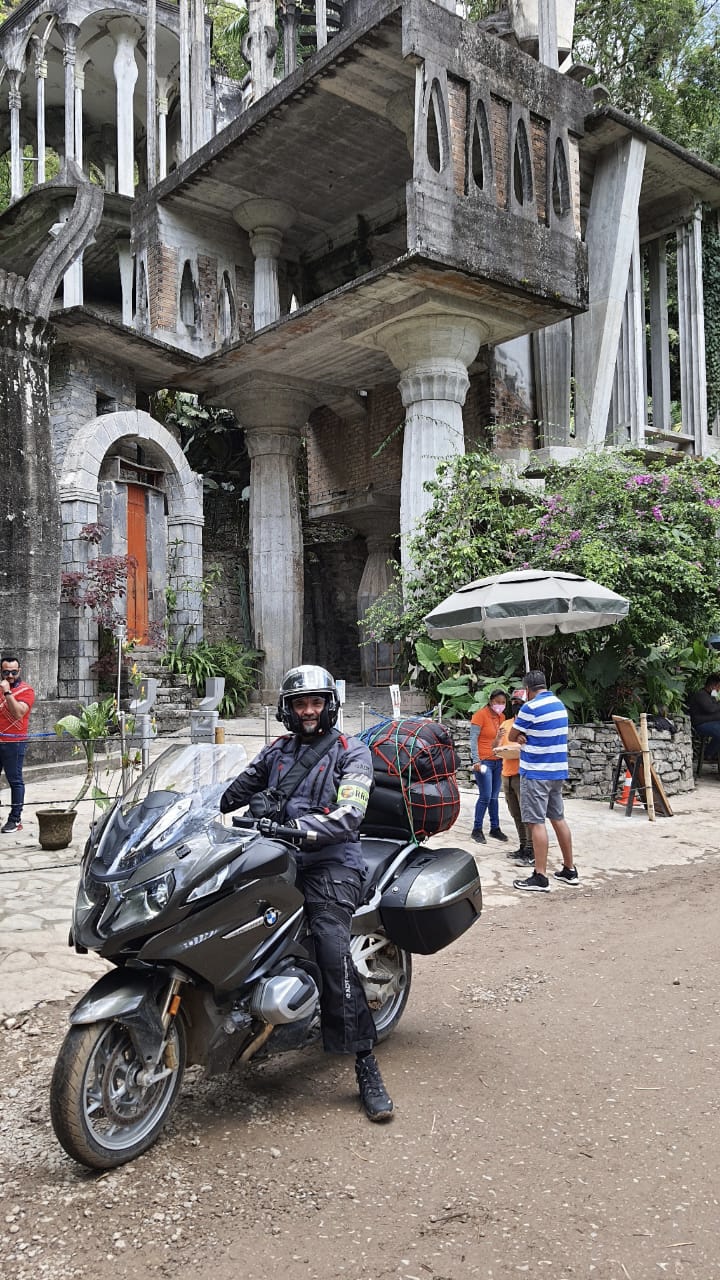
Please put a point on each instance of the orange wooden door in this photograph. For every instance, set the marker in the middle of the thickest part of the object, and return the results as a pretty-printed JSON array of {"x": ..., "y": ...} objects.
[{"x": 137, "y": 592}]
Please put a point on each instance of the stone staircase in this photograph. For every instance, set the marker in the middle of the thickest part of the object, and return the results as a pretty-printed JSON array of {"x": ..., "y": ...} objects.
[{"x": 174, "y": 695}]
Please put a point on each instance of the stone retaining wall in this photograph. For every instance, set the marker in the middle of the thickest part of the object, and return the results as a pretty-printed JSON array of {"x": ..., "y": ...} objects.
[{"x": 592, "y": 754}]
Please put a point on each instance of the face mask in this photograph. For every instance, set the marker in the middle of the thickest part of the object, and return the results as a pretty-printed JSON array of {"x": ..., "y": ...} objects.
[
  {"x": 715, "y": 693},
  {"x": 498, "y": 707}
]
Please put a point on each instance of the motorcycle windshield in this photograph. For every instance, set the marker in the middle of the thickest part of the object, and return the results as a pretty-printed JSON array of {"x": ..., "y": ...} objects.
[
  {"x": 178, "y": 793},
  {"x": 186, "y": 770}
]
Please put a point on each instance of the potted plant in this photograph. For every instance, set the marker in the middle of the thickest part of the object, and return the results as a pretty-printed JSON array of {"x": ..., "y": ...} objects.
[{"x": 88, "y": 728}]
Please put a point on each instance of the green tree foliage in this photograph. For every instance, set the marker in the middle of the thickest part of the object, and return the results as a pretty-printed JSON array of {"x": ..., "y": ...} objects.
[{"x": 649, "y": 531}]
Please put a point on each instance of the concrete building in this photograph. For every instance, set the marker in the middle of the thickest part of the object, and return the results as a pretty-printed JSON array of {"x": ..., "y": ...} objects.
[{"x": 420, "y": 232}]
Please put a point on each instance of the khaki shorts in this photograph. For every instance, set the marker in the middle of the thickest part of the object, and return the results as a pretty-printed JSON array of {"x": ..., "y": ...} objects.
[{"x": 541, "y": 798}]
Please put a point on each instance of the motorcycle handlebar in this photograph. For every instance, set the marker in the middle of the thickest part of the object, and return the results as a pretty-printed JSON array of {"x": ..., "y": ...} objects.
[{"x": 281, "y": 832}]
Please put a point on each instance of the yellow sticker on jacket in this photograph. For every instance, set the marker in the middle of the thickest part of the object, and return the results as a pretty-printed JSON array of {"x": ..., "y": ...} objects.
[{"x": 353, "y": 793}]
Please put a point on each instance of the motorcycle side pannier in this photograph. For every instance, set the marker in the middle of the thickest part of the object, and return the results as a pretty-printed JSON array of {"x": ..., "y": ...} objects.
[{"x": 433, "y": 901}]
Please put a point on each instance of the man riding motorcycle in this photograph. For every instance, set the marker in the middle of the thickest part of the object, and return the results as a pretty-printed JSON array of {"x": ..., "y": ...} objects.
[{"x": 327, "y": 778}]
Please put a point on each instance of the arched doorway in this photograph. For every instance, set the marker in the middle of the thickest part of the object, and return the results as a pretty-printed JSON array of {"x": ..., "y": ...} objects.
[{"x": 126, "y": 476}]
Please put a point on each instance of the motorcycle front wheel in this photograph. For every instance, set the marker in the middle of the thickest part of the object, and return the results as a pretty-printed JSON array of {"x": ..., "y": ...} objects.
[
  {"x": 102, "y": 1114},
  {"x": 386, "y": 973}
]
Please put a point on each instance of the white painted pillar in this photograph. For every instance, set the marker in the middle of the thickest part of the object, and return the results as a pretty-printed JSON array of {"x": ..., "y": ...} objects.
[
  {"x": 16, "y": 159},
  {"x": 693, "y": 373},
  {"x": 126, "y": 266},
  {"x": 69, "y": 33},
  {"x": 151, "y": 92},
  {"x": 610, "y": 236},
  {"x": 432, "y": 353},
  {"x": 266, "y": 221},
  {"x": 125, "y": 35},
  {"x": 659, "y": 336},
  {"x": 184, "y": 69},
  {"x": 273, "y": 416},
  {"x": 40, "y": 78}
]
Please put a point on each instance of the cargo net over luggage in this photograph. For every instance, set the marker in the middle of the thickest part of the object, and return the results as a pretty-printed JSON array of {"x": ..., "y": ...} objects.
[{"x": 416, "y": 790}]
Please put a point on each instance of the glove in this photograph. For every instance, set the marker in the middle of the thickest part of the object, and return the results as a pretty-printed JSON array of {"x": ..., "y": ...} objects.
[{"x": 269, "y": 827}]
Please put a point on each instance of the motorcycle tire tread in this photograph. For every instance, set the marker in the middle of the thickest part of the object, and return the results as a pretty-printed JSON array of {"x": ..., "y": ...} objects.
[{"x": 66, "y": 1093}]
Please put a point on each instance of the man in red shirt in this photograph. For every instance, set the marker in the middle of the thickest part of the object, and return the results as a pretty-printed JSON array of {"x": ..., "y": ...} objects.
[{"x": 16, "y": 700}]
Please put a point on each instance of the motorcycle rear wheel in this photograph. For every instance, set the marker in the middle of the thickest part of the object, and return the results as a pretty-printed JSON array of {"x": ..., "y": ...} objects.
[
  {"x": 386, "y": 974},
  {"x": 101, "y": 1114}
]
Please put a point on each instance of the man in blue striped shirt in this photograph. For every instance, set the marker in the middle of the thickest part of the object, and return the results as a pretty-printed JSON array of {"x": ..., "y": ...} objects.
[{"x": 541, "y": 728}]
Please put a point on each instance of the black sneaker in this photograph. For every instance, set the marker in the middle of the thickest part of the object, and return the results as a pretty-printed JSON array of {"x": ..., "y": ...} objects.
[
  {"x": 515, "y": 853},
  {"x": 374, "y": 1097},
  {"x": 534, "y": 884},
  {"x": 568, "y": 875},
  {"x": 478, "y": 837},
  {"x": 11, "y": 825},
  {"x": 497, "y": 834},
  {"x": 524, "y": 859}
]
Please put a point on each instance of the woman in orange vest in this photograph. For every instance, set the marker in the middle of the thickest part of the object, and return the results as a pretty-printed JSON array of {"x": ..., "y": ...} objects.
[
  {"x": 511, "y": 781},
  {"x": 487, "y": 767}
]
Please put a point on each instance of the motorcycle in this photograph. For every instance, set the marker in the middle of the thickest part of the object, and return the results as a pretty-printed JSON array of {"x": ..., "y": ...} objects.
[{"x": 213, "y": 960}]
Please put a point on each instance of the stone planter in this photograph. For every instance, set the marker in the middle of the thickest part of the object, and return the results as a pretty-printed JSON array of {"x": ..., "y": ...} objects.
[{"x": 55, "y": 827}]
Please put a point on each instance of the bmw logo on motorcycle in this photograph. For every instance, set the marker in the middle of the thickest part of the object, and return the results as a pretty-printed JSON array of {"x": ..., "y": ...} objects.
[{"x": 271, "y": 917}]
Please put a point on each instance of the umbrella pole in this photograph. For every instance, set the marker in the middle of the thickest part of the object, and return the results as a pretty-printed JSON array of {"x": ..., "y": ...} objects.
[{"x": 525, "y": 648}]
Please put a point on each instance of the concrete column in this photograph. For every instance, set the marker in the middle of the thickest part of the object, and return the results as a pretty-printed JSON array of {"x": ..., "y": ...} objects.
[
  {"x": 259, "y": 46},
  {"x": 16, "y": 159},
  {"x": 377, "y": 579},
  {"x": 40, "y": 78},
  {"x": 126, "y": 265},
  {"x": 184, "y": 70},
  {"x": 552, "y": 364},
  {"x": 320, "y": 24},
  {"x": 627, "y": 419},
  {"x": 125, "y": 70},
  {"x": 162, "y": 112},
  {"x": 610, "y": 236},
  {"x": 198, "y": 62},
  {"x": 659, "y": 339},
  {"x": 432, "y": 353},
  {"x": 69, "y": 33},
  {"x": 266, "y": 221},
  {"x": 81, "y": 62},
  {"x": 273, "y": 416},
  {"x": 151, "y": 92},
  {"x": 693, "y": 373}
]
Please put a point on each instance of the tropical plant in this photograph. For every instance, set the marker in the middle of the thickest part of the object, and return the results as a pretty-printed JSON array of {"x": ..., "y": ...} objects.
[
  {"x": 238, "y": 665},
  {"x": 648, "y": 530},
  {"x": 91, "y": 726}
]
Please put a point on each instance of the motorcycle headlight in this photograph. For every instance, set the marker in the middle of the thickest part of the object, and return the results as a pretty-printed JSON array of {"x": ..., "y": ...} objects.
[{"x": 141, "y": 903}]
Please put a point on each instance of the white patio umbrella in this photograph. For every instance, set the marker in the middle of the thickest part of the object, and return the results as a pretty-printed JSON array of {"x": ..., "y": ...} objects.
[{"x": 526, "y": 602}]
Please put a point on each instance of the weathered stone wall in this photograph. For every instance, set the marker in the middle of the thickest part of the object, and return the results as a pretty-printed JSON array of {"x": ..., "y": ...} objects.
[
  {"x": 592, "y": 754},
  {"x": 82, "y": 386},
  {"x": 332, "y": 578}
]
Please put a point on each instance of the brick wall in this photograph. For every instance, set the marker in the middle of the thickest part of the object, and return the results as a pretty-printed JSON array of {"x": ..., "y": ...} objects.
[
  {"x": 539, "y": 132},
  {"x": 162, "y": 277},
  {"x": 340, "y": 455},
  {"x": 499, "y": 132},
  {"x": 458, "y": 99}
]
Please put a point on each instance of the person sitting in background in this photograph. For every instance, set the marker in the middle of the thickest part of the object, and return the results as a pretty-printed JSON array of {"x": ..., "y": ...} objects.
[
  {"x": 510, "y": 756},
  {"x": 705, "y": 713},
  {"x": 487, "y": 768}
]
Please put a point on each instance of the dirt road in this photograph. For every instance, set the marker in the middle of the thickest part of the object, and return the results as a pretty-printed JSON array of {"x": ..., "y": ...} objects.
[{"x": 556, "y": 1084}]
